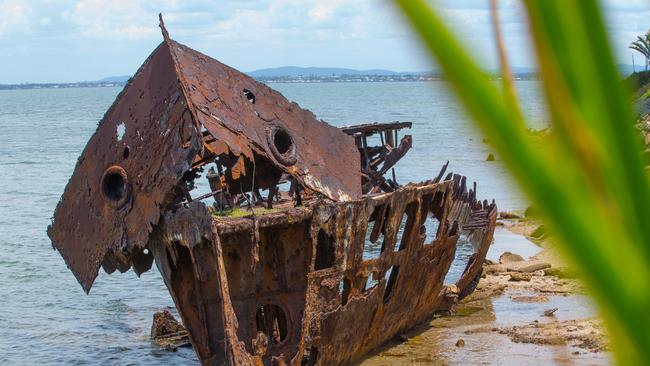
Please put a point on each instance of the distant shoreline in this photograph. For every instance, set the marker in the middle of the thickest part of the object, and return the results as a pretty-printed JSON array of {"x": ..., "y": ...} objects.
[
  {"x": 60, "y": 85},
  {"x": 277, "y": 79}
]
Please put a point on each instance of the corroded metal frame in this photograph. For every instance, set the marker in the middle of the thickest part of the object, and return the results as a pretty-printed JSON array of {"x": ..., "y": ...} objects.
[
  {"x": 220, "y": 272},
  {"x": 287, "y": 287}
]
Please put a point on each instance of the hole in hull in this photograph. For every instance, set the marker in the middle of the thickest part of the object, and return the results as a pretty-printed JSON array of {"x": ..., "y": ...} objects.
[
  {"x": 375, "y": 232},
  {"x": 325, "y": 251},
  {"x": 282, "y": 141},
  {"x": 392, "y": 274},
  {"x": 114, "y": 186},
  {"x": 249, "y": 95},
  {"x": 344, "y": 288},
  {"x": 272, "y": 321},
  {"x": 120, "y": 131}
]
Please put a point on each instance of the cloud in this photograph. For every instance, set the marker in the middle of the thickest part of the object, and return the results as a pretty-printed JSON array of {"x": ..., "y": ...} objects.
[
  {"x": 15, "y": 16},
  {"x": 324, "y": 9},
  {"x": 115, "y": 19},
  {"x": 255, "y": 34}
]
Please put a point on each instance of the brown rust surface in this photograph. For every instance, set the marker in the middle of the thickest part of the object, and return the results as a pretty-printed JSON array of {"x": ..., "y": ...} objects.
[
  {"x": 158, "y": 144},
  {"x": 298, "y": 280},
  {"x": 295, "y": 286},
  {"x": 242, "y": 113},
  {"x": 134, "y": 165}
]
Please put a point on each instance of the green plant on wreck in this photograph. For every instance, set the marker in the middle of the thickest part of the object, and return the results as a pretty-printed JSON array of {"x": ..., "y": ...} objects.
[
  {"x": 588, "y": 182},
  {"x": 238, "y": 212}
]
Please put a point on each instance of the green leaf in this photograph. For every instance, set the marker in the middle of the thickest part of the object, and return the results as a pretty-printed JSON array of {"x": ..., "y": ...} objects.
[{"x": 588, "y": 181}]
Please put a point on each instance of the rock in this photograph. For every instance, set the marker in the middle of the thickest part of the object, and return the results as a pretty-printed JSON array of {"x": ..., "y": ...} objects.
[
  {"x": 490, "y": 157},
  {"x": 494, "y": 269},
  {"x": 551, "y": 340},
  {"x": 530, "y": 299},
  {"x": 460, "y": 343},
  {"x": 508, "y": 257},
  {"x": 550, "y": 312},
  {"x": 518, "y": 276},
  {"x": 164, "y": 324},
  {"x": 167, "y": 332},
  {"x": 509, "y": 215},
  {"x": 560, "y": 272},
  {"x": 527, "y": 266}
]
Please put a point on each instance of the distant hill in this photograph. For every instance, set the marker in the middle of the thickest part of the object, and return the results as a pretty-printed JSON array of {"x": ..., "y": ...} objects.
[
  {"x": 115, "y": 79},
  {"x": 295, "y": 71}
]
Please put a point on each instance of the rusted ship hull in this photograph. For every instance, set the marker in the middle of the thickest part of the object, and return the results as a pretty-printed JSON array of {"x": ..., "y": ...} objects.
[
  {"x": 292, "y": 285},
  {"x": 299, "y": 277}
]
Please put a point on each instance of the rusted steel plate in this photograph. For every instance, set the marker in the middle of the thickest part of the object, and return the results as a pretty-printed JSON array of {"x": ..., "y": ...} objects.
[
  {"x": 127, "y": 172},
  {"x": 370, "y": 129},
  {"x": 245, "y": 114},
  {"x": 122, "y": 182},
  {"x": 299, "y": 282}
]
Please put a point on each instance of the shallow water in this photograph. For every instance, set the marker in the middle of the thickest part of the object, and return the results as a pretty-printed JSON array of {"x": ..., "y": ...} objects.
[
  {"x": 46, "y": 317},
  {"x": 507, "y": 241},
  {"x": 434, "y": 343}
]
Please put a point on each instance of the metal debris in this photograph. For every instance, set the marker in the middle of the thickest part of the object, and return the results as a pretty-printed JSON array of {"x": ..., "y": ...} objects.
[
  {"x": 289, "y": 281},
  {"x": 167, "y": 332}
]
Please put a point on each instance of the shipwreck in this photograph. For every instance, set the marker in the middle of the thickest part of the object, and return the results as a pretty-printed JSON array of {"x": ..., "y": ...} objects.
[{"x": 276, "y": 270}]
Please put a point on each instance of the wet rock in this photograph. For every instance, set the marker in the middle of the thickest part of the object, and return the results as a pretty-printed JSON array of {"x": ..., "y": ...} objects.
[
  {"x": 508, "y": 257},
  {"x": 494, "y": 269},
  {"x": 460, "y": 343},
  {"x": 167, "y": 332},
  {"x": 536, "y": 338},
  {"x": 560, "y": 272},
  {"x": 580, "y": 333},
  {"x": 550, "y": 312},
  {"x": 520, "y": 276},
  {"x": 509, "y": 215},
  {"x": 527, "y": 266}
]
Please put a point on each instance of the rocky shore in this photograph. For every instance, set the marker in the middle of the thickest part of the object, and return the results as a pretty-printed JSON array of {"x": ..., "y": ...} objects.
[{"x": 524, "y": 310}]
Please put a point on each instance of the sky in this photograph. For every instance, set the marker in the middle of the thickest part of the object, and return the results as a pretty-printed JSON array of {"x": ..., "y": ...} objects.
[{"x": 82, "y": 40}]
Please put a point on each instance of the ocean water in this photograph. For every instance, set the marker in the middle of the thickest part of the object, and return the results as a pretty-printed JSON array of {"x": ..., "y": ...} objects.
[{"x": 46, "y": 318}]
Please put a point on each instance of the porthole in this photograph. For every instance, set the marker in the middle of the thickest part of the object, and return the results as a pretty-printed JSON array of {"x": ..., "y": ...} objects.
[
  {"x": 282, "y": 145},
  {"x": 115, "y": 186}
]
